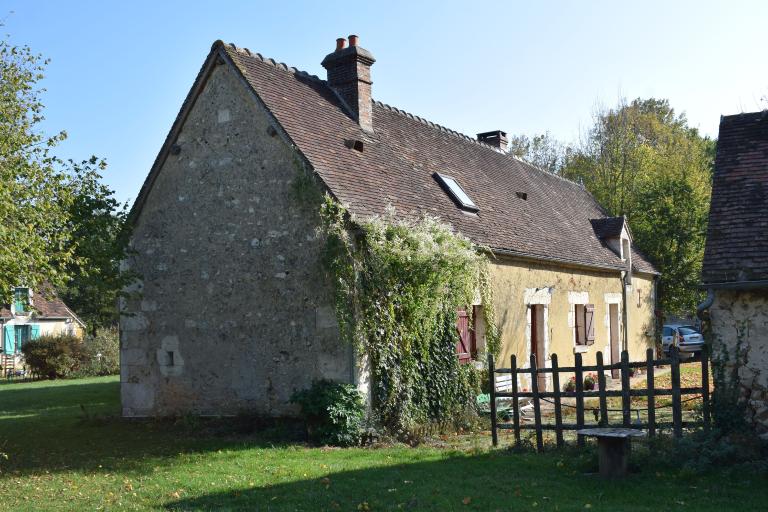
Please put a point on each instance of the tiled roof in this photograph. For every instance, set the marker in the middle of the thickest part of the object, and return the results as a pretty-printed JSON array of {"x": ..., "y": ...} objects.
[
  {"x": 398, "y": 161},
  {"x": 47, "y": 305},
  {"x": 737, "y": 238}
]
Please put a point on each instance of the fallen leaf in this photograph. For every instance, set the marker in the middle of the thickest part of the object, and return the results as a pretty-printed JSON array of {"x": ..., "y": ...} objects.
[{"x": 467, "y": 500}]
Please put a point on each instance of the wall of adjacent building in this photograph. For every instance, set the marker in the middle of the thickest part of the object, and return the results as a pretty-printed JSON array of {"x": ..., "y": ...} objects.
[
  {"x": 739, "y": 323},
  {"x": 517, "y": 284},
  {"x": 233, "y": 311}
]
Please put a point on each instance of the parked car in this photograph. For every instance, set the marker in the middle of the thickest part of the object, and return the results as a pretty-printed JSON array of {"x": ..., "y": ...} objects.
[{"x": 686, "y": 338}]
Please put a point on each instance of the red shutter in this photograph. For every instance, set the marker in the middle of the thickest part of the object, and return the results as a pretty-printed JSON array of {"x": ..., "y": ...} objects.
[
  {"x": 589, "y": 323},
  {"x": 464, "y": 344}
]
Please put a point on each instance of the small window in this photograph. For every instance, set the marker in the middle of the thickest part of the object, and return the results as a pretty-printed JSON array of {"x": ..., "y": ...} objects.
[{"x": 456, "y": 192}]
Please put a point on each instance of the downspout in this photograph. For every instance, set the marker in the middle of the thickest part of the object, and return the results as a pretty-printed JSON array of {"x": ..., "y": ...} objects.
[
  {"x": 702, "y": 313},
  {"x": 624, "y": 312}
]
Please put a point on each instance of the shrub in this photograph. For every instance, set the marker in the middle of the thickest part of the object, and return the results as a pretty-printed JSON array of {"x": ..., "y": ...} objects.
[
  {"x": 101, "y": 354},
  {"x": 334, "y": 412},
  {"x": 54, "y": 356}
]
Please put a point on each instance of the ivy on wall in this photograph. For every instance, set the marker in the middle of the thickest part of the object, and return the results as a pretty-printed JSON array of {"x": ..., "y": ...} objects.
[{"x": 398, "y": 285}]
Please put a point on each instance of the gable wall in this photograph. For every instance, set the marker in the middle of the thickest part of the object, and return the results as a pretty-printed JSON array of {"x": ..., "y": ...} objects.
[
  {"x": 233, "y": 310},
  {"x": 516, "y": 284}
]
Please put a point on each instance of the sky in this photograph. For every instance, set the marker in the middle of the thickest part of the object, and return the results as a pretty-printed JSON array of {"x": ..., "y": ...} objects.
[{"x": 119, "y": 71}]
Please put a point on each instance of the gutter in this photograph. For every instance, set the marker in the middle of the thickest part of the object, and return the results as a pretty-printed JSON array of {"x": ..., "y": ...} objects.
[
  {"x": 568, "y": 261},
  {"x": 736, "y": 285}
]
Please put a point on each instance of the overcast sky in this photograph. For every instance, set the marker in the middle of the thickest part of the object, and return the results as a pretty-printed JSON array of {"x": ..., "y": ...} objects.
[{"x": 119, "y": 71}]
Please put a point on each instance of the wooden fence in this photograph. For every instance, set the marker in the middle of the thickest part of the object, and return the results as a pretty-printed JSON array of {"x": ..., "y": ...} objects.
[{"x": 601, "y": 393}]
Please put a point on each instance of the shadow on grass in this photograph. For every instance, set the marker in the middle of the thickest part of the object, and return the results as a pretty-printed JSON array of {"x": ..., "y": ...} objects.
[
  {"x": 485, "y": 481},
  {"x": 76, "y": 424}
]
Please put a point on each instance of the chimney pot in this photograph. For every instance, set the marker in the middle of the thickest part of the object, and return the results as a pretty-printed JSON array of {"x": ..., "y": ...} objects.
[
  {"x": 353, "y": 40},
  {"x": 340, "y": 42}
]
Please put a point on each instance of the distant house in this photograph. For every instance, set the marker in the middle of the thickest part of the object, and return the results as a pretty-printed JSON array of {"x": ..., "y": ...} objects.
[
  {"x": 234, "y": 310},
  {"x": 735, "y": 270},
  {"x": 30, "y": 316}
]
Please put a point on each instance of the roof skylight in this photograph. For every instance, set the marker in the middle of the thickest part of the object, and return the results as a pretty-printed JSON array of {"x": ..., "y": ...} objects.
[{"x": 456, "y": 192}]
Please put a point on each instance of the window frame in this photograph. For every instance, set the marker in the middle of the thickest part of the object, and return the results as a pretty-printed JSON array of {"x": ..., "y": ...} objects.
[{"x": 446, "y": 183}]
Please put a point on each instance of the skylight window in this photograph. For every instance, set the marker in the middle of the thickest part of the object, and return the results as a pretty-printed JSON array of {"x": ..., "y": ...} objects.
[{"x": 456, "y": 192}]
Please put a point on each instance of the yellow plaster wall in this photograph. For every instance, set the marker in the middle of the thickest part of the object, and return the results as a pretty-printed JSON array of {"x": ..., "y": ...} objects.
[{"x": 513, "y": 280}]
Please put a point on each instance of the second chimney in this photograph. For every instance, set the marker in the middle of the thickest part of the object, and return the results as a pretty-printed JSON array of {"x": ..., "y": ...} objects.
[
  {"x": 349, "y": 74},
  {"x": 496, "y": 138}
]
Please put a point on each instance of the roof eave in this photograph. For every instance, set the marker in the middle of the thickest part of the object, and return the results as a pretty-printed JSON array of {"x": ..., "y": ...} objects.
[{"x": 735, "y": 285}]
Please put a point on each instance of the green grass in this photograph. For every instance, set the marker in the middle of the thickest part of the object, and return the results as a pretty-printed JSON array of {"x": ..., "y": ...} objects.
[{"x": 68, "y": 450}]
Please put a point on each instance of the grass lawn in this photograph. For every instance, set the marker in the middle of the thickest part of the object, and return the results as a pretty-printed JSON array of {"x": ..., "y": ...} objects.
[{"x": 67, "y": 450}]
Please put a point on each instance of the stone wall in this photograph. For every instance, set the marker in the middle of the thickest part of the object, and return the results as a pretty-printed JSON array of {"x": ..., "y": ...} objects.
[
  {"x": 233, "y": 311},
  {"x": 739, "y": 323}
]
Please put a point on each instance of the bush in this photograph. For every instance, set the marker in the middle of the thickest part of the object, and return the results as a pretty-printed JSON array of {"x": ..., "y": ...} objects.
[
  {"x": 54, "y": 356},
  {"x": 101, "y": 354},
  {"x": 334, "y": 412}
]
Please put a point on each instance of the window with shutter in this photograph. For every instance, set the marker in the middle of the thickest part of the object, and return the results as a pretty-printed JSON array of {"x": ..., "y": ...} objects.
[
  {"x": 589, "y": 324},
  {"x": 20, "y": 300},
  {"x": 464, "y": 344}
]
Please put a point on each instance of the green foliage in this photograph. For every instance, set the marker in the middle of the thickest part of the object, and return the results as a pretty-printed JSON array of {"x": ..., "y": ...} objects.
[
  {"x": 642, "y": 160},
  {"x": 101, "y": 353},
  {"x": 543, "y": 151},
  {"x": 334, "y": 412},
  {"x": 97, "y": 223},
  {"x": 398, "y": 285},
  {"x": 58, "y": 224},
  {"x": 54, "y": 356}
]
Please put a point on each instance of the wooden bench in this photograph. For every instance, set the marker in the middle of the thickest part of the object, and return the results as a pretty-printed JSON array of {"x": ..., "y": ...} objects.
[{"x": 614, "y": 447}]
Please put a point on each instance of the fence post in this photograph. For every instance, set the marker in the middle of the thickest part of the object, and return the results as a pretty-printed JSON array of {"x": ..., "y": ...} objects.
[
  {"x": 650, "y": 384},
  {"x": 558, "y": 410},
  {"x": 579, "y": 398},
  {"x": 515, "y": 400},
  {"x": 601, "y": 389},
  {"x": 536, "y": 404},
  {"x": 705, "y": 404},
  {"x": 492, "y": 382},
  {"x": 626, "y": 414},
  {"x": 677, "y": 413}
]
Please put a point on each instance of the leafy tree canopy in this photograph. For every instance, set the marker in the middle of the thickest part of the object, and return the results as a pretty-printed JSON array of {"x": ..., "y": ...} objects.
[{"x": 58, "y": 224}]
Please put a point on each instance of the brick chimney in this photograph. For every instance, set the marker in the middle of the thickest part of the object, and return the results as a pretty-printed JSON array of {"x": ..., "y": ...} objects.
[
  {"x": 496, "y": 138},
  {"x": 349, "y": 74}
]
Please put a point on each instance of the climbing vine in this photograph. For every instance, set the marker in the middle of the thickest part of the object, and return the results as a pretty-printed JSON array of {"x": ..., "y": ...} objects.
[{"x": 398, "y": 285}]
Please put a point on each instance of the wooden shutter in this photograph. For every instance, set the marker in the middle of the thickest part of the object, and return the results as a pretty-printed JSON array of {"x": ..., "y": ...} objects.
[
  {"x": 9, "y": 340},
  {"x": 578, "y": 312},
  {"x": 589, "y": 323},
  {"x": 464, "y": 345}
]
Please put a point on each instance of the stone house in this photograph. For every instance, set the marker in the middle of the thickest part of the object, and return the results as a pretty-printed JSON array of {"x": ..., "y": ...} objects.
[
  {"x": 30, "y": 316},
  {"x": 234, "y": 310},
  {"x": 735, "y": 270}
]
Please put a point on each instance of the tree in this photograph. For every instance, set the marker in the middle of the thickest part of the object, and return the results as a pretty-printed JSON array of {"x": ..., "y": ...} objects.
[
  {"x": 642, "y": 160},
  {"x": 543, "y": 151},
  {"x": 34, "y": 196},
  {"x": 59, "y": 226},
  {"x": 97, "y": 223}
]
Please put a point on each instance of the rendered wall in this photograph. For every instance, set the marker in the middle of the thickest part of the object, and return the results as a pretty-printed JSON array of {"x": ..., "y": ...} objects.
[
  {"x": 234, "y": 312},
  {"x": 739, "y": 323},
  {"x": 518, "y": 284}
]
